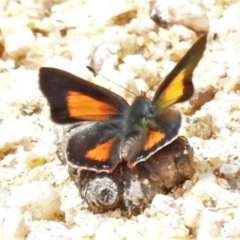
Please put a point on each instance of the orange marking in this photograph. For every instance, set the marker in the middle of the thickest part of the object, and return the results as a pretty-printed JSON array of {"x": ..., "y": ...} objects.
[
  {"x": 84, "y": 107},
  {"x": 101, "y": 152},
  {"x": 174, "y": 91},
  {"x": 154, "y": 137}
]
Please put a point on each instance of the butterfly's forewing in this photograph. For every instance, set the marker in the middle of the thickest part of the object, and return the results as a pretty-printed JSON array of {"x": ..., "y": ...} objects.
[
  {"x": 73, "y": 99},
  {"x": 178, "y": 86},
  {"x": 95, "y": 146}
]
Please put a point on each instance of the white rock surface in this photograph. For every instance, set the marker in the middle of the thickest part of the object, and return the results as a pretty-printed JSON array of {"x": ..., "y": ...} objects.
[
  {"x": 38, "y": 198},
  {"x": 136, "y": 54},
  {"x": 17, "y": 37},
  {"x": 230, "y": 171},
  {"x": 189, "y": 13},
  {"x": 13, "y": 224}
]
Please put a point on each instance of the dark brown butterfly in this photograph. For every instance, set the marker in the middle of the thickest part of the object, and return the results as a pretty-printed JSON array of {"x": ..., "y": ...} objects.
[{"x": 118, "y": 131}]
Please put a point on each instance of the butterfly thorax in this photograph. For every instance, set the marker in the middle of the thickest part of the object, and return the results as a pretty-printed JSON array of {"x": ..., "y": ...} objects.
[{"x": 140, "y": 113}]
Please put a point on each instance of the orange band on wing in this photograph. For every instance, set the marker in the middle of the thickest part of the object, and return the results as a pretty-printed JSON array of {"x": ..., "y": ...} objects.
[
  {"x": 154, "y": 138},
  {"x": 174, "y": 91},
  {"x": 87, "y": 108},
  {"x": 101, "y": 152}
]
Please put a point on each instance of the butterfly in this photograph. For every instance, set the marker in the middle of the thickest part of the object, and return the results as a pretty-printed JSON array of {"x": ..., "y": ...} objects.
[{"x": 116, "y": 131}]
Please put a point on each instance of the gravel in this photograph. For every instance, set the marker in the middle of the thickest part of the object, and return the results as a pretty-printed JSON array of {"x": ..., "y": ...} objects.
[{"x": 38, "y": 200}]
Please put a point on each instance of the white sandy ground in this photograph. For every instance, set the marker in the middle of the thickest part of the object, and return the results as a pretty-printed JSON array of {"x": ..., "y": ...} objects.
[{"x": 37, "y": 198}]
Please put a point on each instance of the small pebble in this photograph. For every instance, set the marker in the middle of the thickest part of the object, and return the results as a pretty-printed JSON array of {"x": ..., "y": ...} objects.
[
  {"x": 208, "y": 177},
  {"x": 189, "y": 13},
  {"x": 39, "y": 198},
  {"x": 200, "y": 125},
  {"x": 13, "y": 226},
  {"x": 17, "y": 37},
  {"x": 230, "y": 171}
]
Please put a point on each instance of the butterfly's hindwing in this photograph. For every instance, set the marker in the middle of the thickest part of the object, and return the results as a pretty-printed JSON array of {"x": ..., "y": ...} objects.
[
  {"x": 162, "y": 130},
  {"x": 95, "y": 146}
]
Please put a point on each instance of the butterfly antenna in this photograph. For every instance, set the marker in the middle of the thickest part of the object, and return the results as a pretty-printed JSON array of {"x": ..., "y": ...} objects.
[
  {"x": 95, "y": 74},
  {"x": 151, "y": 88}
]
